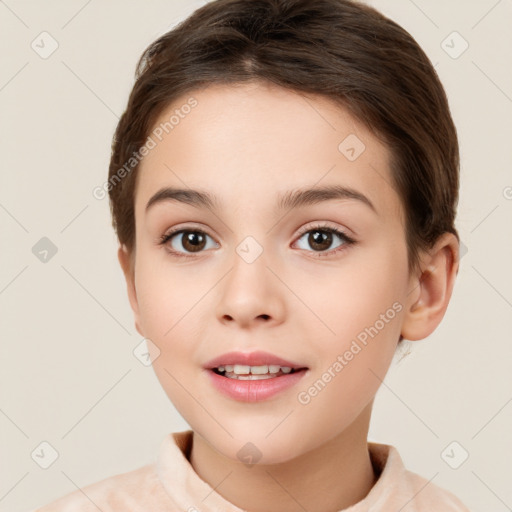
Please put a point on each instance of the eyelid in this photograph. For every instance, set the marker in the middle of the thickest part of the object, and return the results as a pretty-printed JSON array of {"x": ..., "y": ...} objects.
[
  {"x": 186, "y": 227},
  {"x": 163, "y": 239},
  {"x": 319, "y": 224}
]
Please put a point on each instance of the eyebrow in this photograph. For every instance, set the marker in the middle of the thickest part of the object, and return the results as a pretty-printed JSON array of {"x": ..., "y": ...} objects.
[{"x": 290, "y": 200}]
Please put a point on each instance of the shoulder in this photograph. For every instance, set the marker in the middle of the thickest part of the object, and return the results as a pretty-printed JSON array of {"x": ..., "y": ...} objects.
[
  {"x": 428, "y": 496},
  {"x": 398, "y": 487},
  {"x": 135, "y": 491}
]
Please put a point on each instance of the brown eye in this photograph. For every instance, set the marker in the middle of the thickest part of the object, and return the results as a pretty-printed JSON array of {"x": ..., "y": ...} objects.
[
  {"x": 193, "y": 241},
  {"x": 185, "y": 242},
  {"x": 320, "y": 240}
]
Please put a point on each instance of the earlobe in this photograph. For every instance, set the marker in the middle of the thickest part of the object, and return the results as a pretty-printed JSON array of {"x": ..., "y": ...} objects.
[
  {"x": 432, "y": 289},
  {"x": 127, "y": 266}
]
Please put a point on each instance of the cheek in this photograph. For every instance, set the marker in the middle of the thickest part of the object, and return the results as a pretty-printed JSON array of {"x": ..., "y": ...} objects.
[
  {"x": 350, "y": 299},
  {"x": 166, "y": 302},
  {"x": 362, "y": 311},
  {"x": 166, "y": 298},
  {"x": 171, "y": 310}
]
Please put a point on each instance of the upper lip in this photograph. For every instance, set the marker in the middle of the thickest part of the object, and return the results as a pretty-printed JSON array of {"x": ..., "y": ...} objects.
[{"x": 258, "y": 358}]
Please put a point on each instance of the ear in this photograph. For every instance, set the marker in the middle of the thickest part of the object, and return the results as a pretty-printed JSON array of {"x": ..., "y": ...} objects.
[
  {"x": 128, "y": 267},
  {"x": 431, "y": 290}
]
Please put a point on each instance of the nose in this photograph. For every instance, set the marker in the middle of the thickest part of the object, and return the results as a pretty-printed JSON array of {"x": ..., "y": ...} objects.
[{"x": 251, "y": 295}]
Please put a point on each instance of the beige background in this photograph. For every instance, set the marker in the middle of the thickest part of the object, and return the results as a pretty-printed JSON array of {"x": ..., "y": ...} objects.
[{"x": 68, "y": 373}]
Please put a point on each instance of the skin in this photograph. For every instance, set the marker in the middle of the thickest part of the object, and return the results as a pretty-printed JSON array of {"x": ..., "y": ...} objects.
[{"x": 247, "y": 144}]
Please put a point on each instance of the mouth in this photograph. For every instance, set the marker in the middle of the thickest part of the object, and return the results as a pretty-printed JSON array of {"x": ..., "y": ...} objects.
[
  {"x": 256, "y": 365},
  {"x": 253, "y": 377}
]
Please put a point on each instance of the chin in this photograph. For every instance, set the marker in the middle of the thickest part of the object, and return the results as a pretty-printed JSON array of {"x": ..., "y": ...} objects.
[{"x": 251, "y": 443}]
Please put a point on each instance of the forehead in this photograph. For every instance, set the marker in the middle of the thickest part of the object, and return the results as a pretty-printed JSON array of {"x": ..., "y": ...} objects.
[{"x": 260, "y": 140}]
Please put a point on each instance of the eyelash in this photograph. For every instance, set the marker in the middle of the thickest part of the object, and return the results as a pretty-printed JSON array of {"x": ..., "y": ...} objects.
[{"x": 347, "y": 241}]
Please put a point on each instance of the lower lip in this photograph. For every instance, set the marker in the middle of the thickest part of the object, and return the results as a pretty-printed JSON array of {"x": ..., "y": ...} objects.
[{"x": 254, "y": 390}]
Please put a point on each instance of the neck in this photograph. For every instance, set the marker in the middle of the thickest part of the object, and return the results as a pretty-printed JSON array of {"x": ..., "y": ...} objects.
[{"x": 330, "y": 478}]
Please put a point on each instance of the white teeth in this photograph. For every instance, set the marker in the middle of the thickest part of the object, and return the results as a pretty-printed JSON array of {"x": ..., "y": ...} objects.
[
  {"x": 246, "y": 370},
  {"x": 262, "y": 370},
  {"x": 241, "y": 369}
]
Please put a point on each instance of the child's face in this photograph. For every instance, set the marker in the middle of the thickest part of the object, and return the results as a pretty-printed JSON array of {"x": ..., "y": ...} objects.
[{"x": 302, "y": 299}]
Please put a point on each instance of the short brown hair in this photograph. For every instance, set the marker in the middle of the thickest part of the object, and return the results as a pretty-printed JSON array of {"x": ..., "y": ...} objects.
[{"x": 340, "y": 49}]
